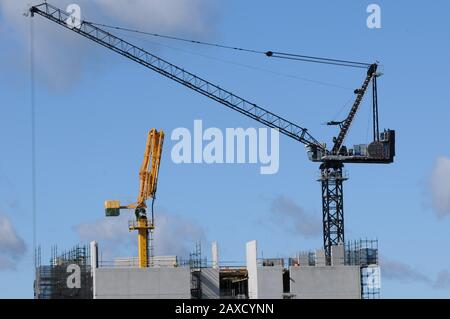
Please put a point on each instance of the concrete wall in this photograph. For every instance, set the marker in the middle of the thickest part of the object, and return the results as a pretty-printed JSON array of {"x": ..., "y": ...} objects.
[
  {"x": 148, "y": 283},
  {"x": 156, "y": 261},
  {"x": 209, "y": 282},
  {"x": 331, "y": 282},
  {"x": 263, "y": 282},
  {"x": 270, "y": 282}
]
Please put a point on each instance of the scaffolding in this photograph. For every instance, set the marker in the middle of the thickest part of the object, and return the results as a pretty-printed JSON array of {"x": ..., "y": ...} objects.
[
  {"x": 67, "y": 276},
  {"x": 364, "y": 253},
  {"x": 361, "y": 252},
  {"x": 196, "y": 263}
]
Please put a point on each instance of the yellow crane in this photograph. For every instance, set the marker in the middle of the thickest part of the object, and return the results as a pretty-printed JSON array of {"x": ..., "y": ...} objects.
[{"x": 148, "y": 177}]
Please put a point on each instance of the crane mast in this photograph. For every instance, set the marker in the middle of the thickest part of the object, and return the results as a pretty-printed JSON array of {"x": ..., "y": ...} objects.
[{"x": 380, "y": 151}]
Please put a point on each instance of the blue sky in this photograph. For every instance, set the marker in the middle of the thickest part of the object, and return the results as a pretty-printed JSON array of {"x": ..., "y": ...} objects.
[{"x": 94, "y": 107}]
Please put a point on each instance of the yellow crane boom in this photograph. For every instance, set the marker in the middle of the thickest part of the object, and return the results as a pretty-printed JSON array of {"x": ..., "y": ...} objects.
[{"x": 148, "y": 180}]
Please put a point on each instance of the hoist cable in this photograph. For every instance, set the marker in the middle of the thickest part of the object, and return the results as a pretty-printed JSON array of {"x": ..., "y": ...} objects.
[{"x": 272, "y": 54}]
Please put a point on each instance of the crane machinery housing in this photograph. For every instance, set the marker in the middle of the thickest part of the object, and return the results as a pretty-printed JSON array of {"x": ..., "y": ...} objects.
[
  {"x": 380, "y": 151},
  {"x": 148, "y": 176}
]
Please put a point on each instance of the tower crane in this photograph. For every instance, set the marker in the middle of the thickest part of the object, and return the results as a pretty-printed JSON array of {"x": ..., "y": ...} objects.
[
  {"x": 380, "y": 151},
  {"x": 148, "y": 177}
]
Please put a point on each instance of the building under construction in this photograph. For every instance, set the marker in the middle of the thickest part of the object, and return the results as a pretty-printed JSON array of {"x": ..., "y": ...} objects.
[
  {"x": 353, "y": 274},
  {"x": 338, "y": 270},
  {"x": 380, "y": 150}
]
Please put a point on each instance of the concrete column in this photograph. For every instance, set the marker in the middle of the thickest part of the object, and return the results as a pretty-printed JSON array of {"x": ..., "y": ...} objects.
[
  {"x": 251, "y": 253},
  {"x": 303, "y": 259},
  {"x": 215, "y": 255},
  {"x": 320, "y": 258},
  {"x": 337, "y": 255},
  {"x": 94, "y": 265}
]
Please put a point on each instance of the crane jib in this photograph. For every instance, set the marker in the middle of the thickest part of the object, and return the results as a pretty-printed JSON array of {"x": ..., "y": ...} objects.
[{"x": 178, "y": 74}]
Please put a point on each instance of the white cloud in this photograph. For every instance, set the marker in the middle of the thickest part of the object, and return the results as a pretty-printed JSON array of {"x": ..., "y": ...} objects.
[
  {"x": 12, "y": 246},
  {"x": 110, "y": 229},
  {"x": 295, "y": 218},
  {"x": 112, "y": 235},
  {"x": 61, "y": 57},
  {"x": 180, "y": 16},
  {"x": 442, "y": 280},
  {"x": 397, "y": 270},
  {"x": 405, "y": 273},
  {"x": 440, "y": 186},
  {"x": 6, "y": 263},
  {"x": 173, "y": 235}
]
